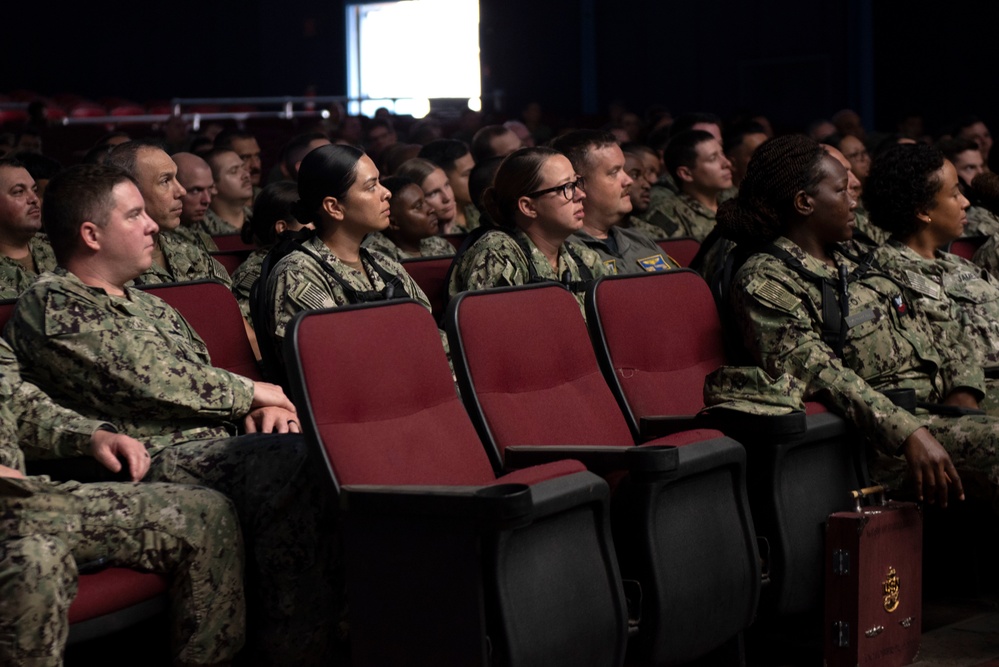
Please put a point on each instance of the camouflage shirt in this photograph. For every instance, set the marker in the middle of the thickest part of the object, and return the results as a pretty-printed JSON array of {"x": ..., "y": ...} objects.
[
  {"x": 132, "y": 361},
  {"x": 865, "y": 232},
  {"x": 297, "y": 283},
  {"x": 952, "y": 292},
  {"x": 652, "y": 231},
  {"x": 981, "y": 222},
  {"x": 987, "y": 255},
  {"x": 14, "y": 279},
  {"x": 185, "y": 262},
  {"x": 197, "y": 236},
  {"x": 244, "y": 276},
  {"x": 889, "y": 344},
  {"x": 679, "y": 214},
  {"x": 497, "y": 260},
  {"x": 632, "y": 251},
  {"x": 214, "y": 225},
  {"x": 432, "y": 246}
]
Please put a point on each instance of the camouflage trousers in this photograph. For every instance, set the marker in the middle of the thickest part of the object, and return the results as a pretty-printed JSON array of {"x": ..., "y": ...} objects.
[
  {"x": 284, "y": 498},
  {"x": 188, "y": 533}
]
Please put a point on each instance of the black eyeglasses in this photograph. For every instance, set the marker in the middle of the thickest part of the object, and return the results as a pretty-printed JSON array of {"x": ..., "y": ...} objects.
[{"x": 568, "y": 190}]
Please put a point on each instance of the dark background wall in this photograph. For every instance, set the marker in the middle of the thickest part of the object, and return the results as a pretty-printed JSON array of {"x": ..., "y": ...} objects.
[{"x": 789, "y": 59}]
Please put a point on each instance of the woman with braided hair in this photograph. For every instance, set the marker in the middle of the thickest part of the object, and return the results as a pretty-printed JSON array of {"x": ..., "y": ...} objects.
[{"x": 808, "y": 307}]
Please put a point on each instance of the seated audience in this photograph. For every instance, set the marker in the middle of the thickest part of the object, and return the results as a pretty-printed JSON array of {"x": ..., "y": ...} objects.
[{"x": 412, "y": 230}]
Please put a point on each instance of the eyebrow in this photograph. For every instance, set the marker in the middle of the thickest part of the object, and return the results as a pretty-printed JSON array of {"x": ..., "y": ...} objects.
[{"x": 373, "y": 178}]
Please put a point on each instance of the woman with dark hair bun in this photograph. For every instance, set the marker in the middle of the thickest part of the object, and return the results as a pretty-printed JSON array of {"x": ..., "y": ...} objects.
[
  {"x": 340, "y": 193},
  {"x": 914, "y": 193},
  {"x": 536, "y": 200},
  {"x": 807, "y": 307},
  {"x": 413, "y": 227}
]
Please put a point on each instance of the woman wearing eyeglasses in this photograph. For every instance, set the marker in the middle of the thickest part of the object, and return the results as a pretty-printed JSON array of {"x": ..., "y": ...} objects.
[{"x": 537, "y": 201}]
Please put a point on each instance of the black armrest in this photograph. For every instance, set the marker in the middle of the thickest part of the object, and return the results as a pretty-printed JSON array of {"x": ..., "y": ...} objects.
[
  {"x": 733, "y": 423},
  {"x": 500, "y": 503},
  {"x": 602, "y": 460}
]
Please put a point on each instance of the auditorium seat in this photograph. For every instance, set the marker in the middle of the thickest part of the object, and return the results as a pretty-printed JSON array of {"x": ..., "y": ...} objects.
[
  {"x": 230, "y": 259},
  {"x": 657, "y": 336},
  {"x": 446, "y": 564},
  {"x": 530, "y": 380},
  {"x": 682, "y": 248},
  {"x": 227, "y": 242},
  {"x": 430, "y": 273},
  {"x": 967, "y": 246}
]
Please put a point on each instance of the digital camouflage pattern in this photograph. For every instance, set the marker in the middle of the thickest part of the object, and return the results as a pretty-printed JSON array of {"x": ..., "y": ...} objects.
[
  {"x": 890, "y": 345},
  {"x": 865, "y": 232},
  {"x": 472, "y": 217},
  {"x": 432, "y": 246},
  {"x": 135, "y": 362},
  {"x": 950, "y": 289},
  {"x": 646, "y": 228},
  {"x": 185, "y": 262},
  {"x": 243, "y": 278},
  {"x": 987, "y": 256},
  {"x": 496, "y": 260},
  {"x": 214, "y": 225},
  {"x": 636, "y": 252},
  {"x": 679, "y": 214},
  {"x": 297, "y": 283},
  {"x": 46, "y": 528},
  {"x": 14, "y": 279},
  {"x": 196, "y": 235},
  {"x": 981, "y": 222}
]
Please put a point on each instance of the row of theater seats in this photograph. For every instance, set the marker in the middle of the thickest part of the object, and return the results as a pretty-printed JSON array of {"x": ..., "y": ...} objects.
[{"x": 477, "y": 508}]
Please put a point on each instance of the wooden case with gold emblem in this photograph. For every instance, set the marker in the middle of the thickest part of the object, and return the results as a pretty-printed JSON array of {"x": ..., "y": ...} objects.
[{"x": 873, "y": 603}]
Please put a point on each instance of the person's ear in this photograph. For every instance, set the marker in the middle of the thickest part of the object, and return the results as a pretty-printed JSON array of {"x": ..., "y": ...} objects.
[
  {"x": 280, "y": 227},
  {"x": 90, "y": 235},
  {"x": 526, "y": 207},
  {"x": 924, "y": 217},
  {"x": 685, "y": 174},
  {"x": 333, "y": 208},
  {"x": 803, "y": 203}
]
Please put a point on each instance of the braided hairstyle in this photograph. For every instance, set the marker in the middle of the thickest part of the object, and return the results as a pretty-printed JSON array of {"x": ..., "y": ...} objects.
[{"x": 779, "y": 169}]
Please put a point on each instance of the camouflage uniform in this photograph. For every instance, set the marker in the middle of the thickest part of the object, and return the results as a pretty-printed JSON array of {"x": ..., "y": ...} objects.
[
  {"x": 497, "y": 260},
  {"x": 214, "y": 225},
  {"x": 981, "y": 222},
  {"x": 866, "y": 232},
  {"x": 950, "y": 289},
  {"x": 243, "y": 278},
  {"x": 987, "y": 256},
  {"x": 298, "y": 283},
  {"x": 14, "y": 279},
  {"x": 184, "y": 262},
  {"x": 889, "y": 345},
  {"x": 197, "y": 236},
  {"x": 682, "y": 215},
  {"x": 47, "y": 528},
  {"x": 635, "y": 253},
  {"x": 653, "y": 232},
  {"x": 472, "y": 217},
  {"x": 135, "y": 362},
  {"x": 432, "y": 246}
]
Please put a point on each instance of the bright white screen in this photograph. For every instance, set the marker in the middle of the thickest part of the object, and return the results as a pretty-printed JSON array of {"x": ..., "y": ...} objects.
[{"x": 402, "y": 54}]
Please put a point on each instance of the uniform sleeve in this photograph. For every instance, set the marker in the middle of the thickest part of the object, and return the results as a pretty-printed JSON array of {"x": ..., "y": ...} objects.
[
  {"x": 121, "y": 366},
  {"x": 778, "y": 329},
  {"x": 495, "y": 267}
]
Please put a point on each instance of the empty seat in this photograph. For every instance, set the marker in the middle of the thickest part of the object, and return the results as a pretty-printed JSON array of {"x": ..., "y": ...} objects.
[
  {"x": 430, "y": 273},
  {"x": 445, "y": 564},
  {"x": 531, "y": 383},
  {"x": 657, "y": 336},
  {"x": 227, "y": 242},
  {"x": 682, "y": 248},
  {"x": 213, "y": 312}
]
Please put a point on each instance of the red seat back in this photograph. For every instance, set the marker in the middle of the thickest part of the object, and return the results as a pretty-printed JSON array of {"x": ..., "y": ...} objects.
[
  {"x": 682, "y": 249},
  {"x": 212, "y": 310},
  {"x": 431, "y": 275},
  {"x": 373, "y": 383},
  {"x": 966, "y": 247},
  {"x": 231, "y": 259},
  {"x": 527, "y": 370},
  {"x": 6, "y": 310},
  {"x": 228, "y": 242},
  {"x": 659, "y": 335}
]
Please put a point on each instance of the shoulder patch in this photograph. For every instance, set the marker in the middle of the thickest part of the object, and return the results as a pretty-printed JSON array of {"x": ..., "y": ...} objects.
[
  {"x": 774, "y": 294},
  {"x": 312, "y": 297},
  {"x": 653, "y": 263},
  {"x": 611, "y": 266}
]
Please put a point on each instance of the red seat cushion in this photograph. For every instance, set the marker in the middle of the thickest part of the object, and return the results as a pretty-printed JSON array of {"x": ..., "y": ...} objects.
[{"x": 111, "y": 590}]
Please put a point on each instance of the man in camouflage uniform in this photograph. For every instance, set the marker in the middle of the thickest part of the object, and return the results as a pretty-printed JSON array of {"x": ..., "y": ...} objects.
[
  {"x": 230, "y": 206},
  {"x": 640, "y": 193},
  {"x": 24, "y": 252},
  {"x": 189, "y": 533},
  {"x": 596, "y": 156},
  {"x": 194, "y": 174},
  {"x": 889, "y": 345},
  {"x": 697, "y": 164},
  {"x": 121, "y": 355},
  {"x": 245, "y": 145},
  {"x": 174, "y": 259}
]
